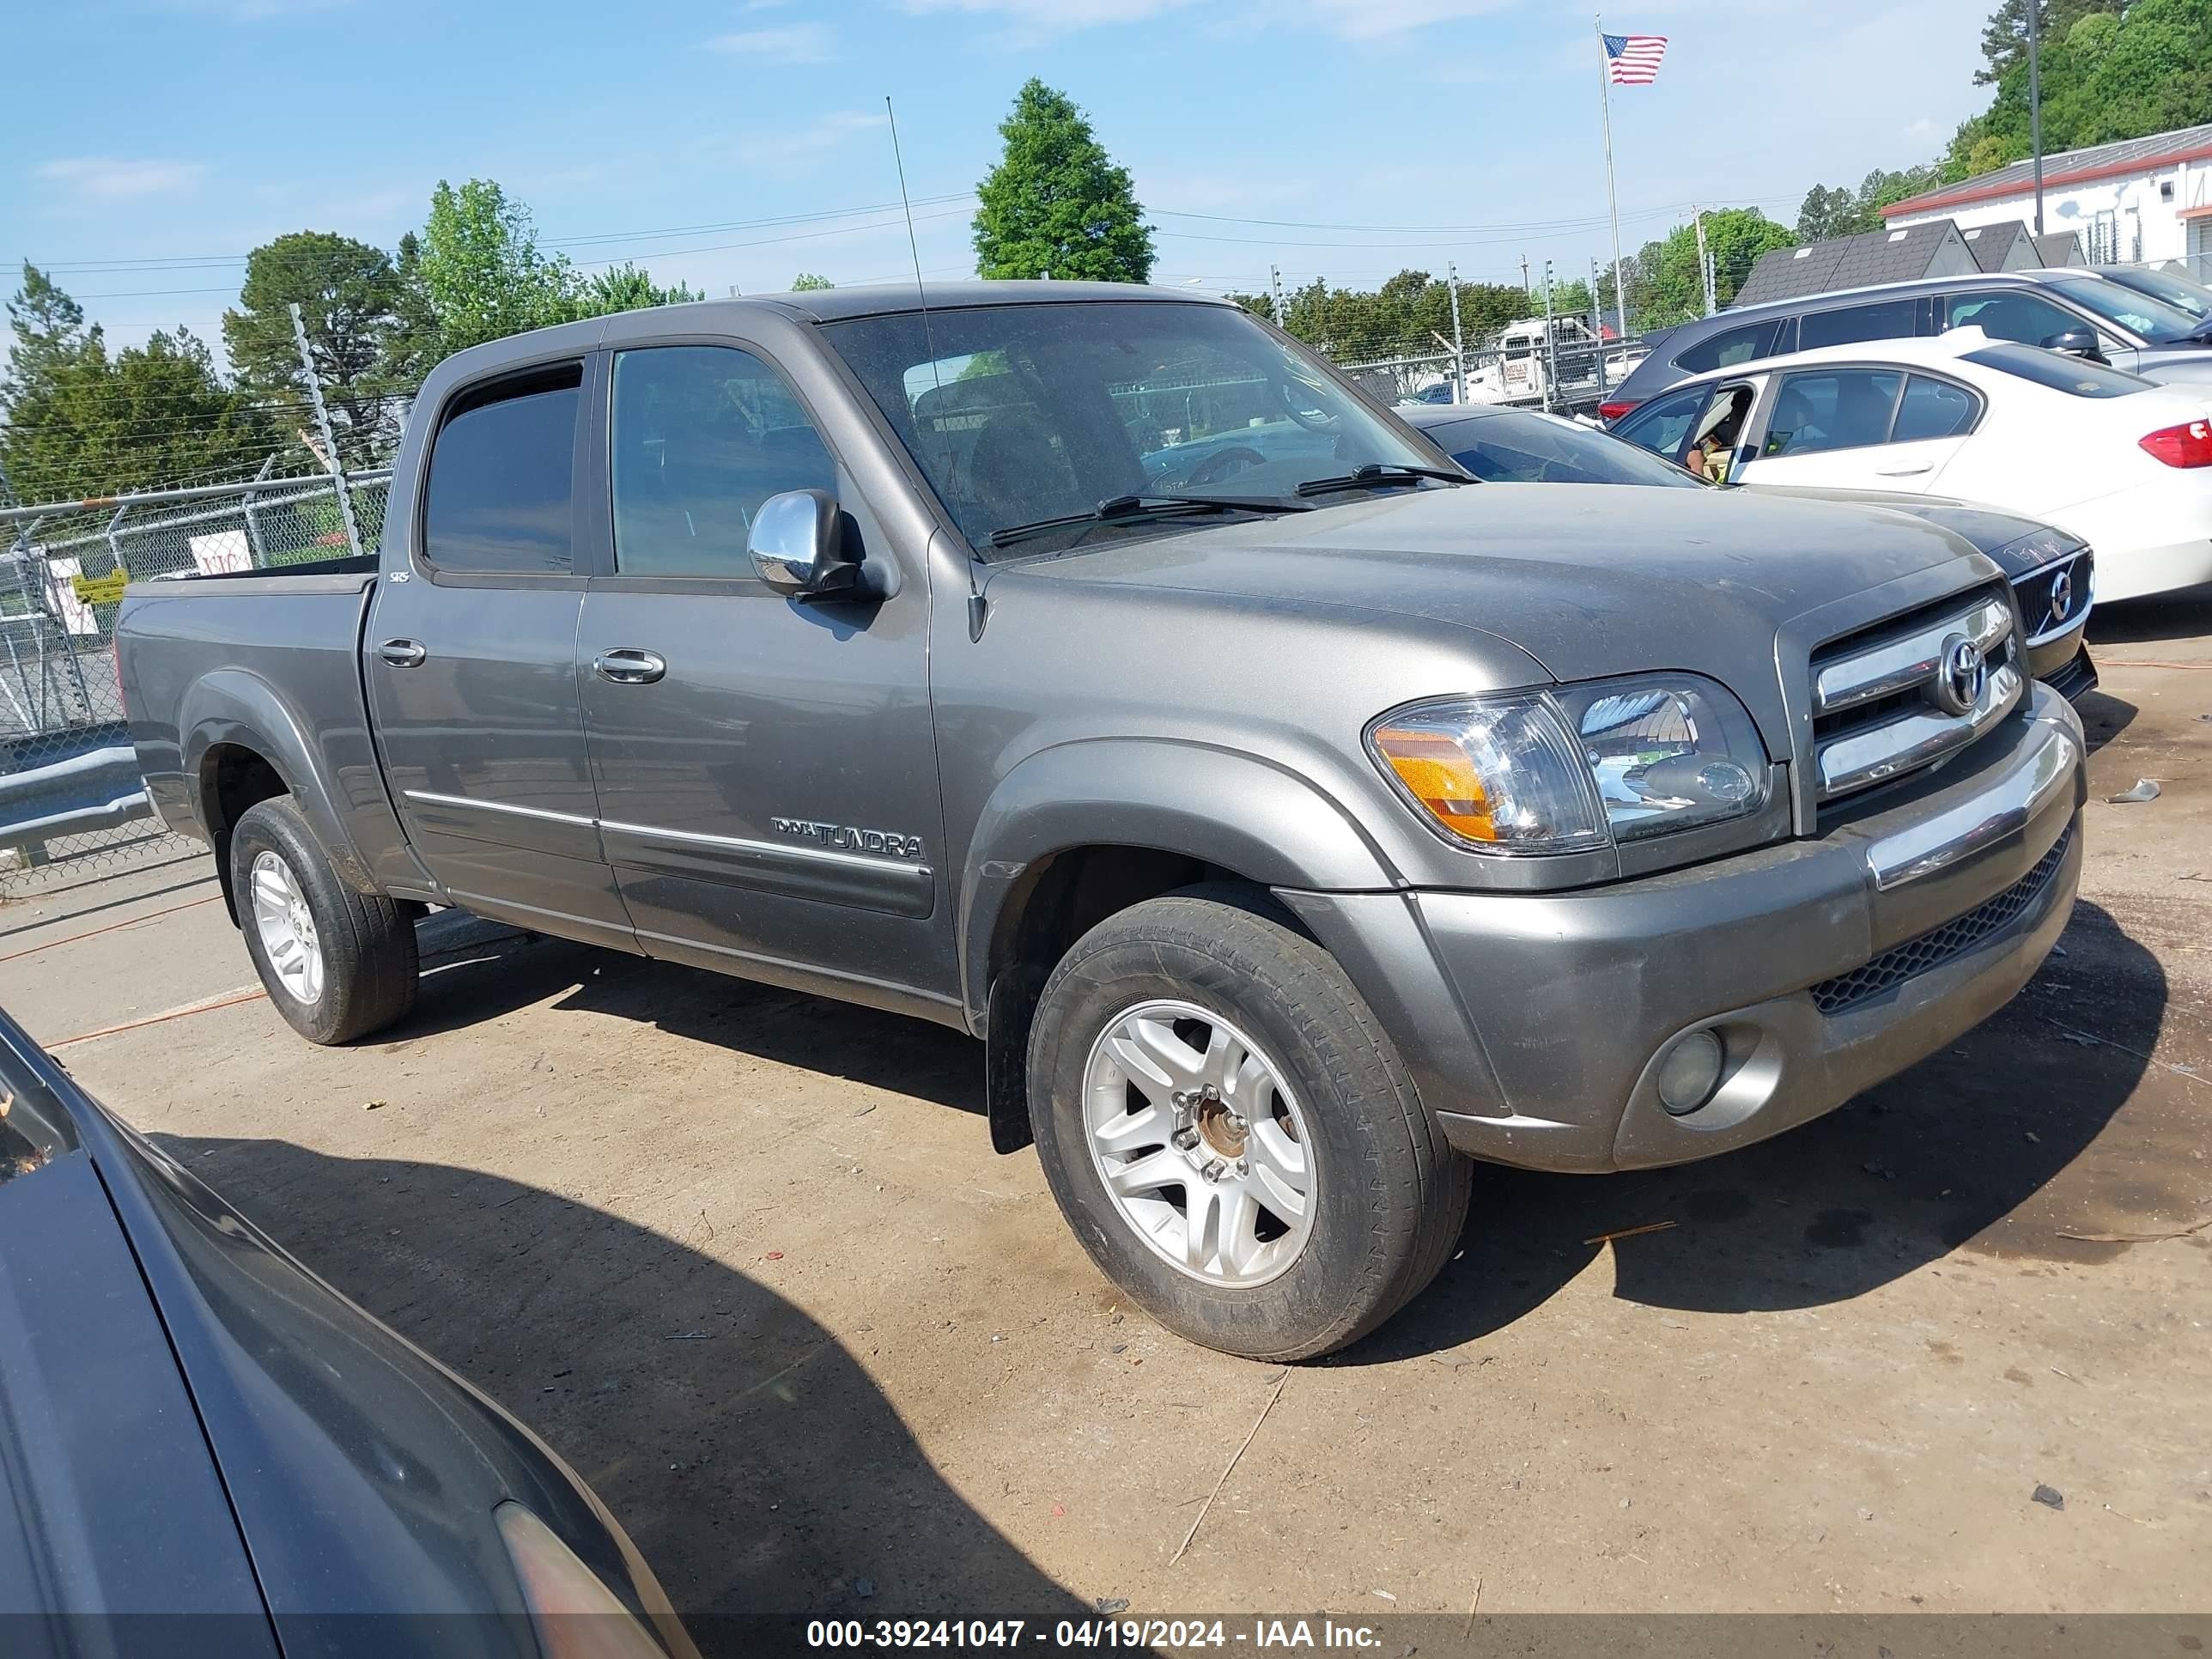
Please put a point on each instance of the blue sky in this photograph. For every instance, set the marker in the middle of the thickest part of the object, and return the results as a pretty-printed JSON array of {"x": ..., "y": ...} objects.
[{"x": 156, "y": 141}]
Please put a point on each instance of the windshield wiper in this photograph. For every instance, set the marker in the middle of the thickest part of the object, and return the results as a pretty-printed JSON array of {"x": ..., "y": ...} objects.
[
  {"x": 1378, "y": 472},
  {"x": 1119, "y": 509}
]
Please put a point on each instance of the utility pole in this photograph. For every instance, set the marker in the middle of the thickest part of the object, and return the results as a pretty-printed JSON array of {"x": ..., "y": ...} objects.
[
  {"x": 1527, "y": 290},
  {"x": 323, "y": 426},
  {"x": 1704, "y": 262},
  {"x": 1459, "y": 341},
  {"x": 1551, "y": 344},
  {"x": 1275, "y": 288},
  {"x": 1597, "y": 328},
  {"x": 2035, "y": 102}
]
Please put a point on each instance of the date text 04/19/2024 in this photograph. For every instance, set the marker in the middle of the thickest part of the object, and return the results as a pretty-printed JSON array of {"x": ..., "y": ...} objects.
[{"x": 1133, "y": 1633}]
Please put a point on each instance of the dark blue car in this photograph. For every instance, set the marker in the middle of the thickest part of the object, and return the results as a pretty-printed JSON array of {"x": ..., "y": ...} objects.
[{"x": 206, "y": 1450}]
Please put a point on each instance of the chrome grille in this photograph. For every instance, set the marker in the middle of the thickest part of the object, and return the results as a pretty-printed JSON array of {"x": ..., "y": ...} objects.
[
  {"x": 2057, "y": 597},
  {"x": 1892, "y": 700},
  {"x": 1940, "y": 945}
]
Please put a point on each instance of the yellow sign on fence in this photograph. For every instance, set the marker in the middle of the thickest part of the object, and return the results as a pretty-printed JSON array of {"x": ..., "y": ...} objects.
[{"x": 101, "y": 590}]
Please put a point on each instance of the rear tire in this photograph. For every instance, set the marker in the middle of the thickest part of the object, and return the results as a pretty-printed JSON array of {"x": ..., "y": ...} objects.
[
  {"x": 337, "y": 964},
  {"x": 1283, "y": 1189}
]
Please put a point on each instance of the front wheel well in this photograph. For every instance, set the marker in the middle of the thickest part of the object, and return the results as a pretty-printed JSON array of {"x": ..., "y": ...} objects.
[
  {"x": 1059, "y": 899},
  {"x": 233, "y": 779}
]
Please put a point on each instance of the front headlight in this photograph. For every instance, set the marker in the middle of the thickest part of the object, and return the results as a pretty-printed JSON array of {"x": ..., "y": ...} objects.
[
  {"x": 575, "y": 1615},
  {"x": 1578, "y": 768}
]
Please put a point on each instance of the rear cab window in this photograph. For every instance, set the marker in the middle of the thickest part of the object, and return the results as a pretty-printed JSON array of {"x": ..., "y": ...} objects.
[
  {"x": 501, "y": 496},
  {"x": 2075, "y": 376}
]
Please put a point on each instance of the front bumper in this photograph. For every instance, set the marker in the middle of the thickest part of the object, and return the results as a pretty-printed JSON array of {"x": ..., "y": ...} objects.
[{"x": 1532, "y": 1023}]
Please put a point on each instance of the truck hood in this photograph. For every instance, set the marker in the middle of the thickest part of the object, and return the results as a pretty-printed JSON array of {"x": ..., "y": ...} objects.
[{"x": 1589, "y": 580}]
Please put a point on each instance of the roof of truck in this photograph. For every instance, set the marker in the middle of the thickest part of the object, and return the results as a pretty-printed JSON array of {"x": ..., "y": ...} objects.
[{"x": 875, "y": 298}]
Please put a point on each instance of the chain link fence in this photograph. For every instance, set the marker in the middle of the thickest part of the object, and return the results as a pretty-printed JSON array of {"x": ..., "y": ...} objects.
[{"x": 71, "y": 801}]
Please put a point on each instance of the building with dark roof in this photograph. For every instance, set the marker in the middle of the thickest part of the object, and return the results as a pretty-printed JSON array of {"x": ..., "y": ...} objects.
[{"x": 1900, "y": 255}]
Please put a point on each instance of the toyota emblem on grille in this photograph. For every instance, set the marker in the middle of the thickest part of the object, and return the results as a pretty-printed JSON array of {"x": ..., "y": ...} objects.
[
  {"x": 1960, "y": 673},
  {"x": 2061, "y": 596}
]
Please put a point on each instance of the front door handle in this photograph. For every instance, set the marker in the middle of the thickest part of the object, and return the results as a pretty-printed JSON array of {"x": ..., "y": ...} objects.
[
  {"x": 1904, "y": 472},
  {"x": 404, "y": 653},
  {"x": 626, "y": 665}
]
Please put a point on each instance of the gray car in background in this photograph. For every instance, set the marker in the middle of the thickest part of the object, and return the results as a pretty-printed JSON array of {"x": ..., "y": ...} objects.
[
  {"x": 1092, "y": 669},
  {"x": 2091, "y": 312}
]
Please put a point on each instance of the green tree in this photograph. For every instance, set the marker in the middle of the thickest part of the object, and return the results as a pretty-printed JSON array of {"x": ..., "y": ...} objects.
[
  {"x": 483, "y": 270},
  {"x": 624, "y": 288},
  {"x": 1843, "y": 212},
  {"x": 348, "y": 293},
  {"x": 2107, "y": 74},
  {"x": 807, "y": 283},
  {"x": 50, "y": 331},
  {"x": 147, "y": 416},
  {"x": 1665, "y": 285},
  {"x": 411, "y": 344},
  {"x": 1055, "y": 204},
  {"x": 2004, "y": 39}
]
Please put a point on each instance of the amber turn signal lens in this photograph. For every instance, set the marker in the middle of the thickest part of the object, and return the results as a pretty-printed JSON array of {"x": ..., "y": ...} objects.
[{"x": 1437, "y": 773}]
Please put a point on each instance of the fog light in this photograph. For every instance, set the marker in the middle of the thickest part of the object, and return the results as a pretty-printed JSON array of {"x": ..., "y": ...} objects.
[{"x": 1689, "y": 1072}]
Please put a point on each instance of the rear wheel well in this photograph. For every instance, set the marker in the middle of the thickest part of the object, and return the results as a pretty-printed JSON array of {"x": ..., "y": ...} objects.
[
  {"x": 233, "y": 779},
  {"x": 1059, "y": 899}
]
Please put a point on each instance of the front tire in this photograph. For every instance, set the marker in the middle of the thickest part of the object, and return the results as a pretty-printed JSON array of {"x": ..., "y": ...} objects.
[
  {"x": 1231, "y": 1135},
  {"x": 337, "y": 964}
]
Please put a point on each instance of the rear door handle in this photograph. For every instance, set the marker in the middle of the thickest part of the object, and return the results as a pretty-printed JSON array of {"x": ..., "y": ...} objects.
[
  {"x": 404, "y": 653},
  {"x": 626, "y": 665},
  {"x": 1904, "y": 472}
]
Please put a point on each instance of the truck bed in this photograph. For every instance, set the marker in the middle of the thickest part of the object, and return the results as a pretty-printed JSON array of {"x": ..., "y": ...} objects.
[{"x": 277, "y": 653}]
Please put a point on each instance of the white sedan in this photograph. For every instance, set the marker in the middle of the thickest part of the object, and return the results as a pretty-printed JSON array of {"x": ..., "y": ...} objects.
[{"x": 2122, "y": 464}]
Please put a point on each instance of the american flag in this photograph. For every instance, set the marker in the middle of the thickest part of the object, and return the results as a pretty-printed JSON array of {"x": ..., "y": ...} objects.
[{"x": 1633, "y": 60}]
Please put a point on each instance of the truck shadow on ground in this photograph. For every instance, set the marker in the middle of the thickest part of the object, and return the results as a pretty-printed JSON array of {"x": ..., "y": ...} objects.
[
  {"x": 1974, "y": 1149},
  {"x": 1964, "y": 1151},
  {"x": 2103, "y": 717},
  {"x": 748, "y": 1454}
]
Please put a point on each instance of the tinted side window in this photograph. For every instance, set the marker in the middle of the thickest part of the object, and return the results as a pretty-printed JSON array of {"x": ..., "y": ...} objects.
[
  {"x": 1933, "y": 409},
  {"x": 500, "y": 498},
  {"x": 1729, "y": 348},
  {"x": 2009, "y": 315},
  {"x": 1890, "y": 319},
  {"x": 1832, "y": 408},
  {"x": 702, "y": 436},
  {"x": 1662, "y": 425}
]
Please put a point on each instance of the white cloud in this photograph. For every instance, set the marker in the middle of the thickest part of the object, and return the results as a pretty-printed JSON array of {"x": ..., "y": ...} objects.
[
  {"x": 108, "y": 179},
  {"x": 799, "y": 43},
  {"x": 805, "y": 144}
]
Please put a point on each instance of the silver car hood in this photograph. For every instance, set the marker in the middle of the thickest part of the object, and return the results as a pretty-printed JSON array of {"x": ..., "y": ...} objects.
[{"x": 1589, "y": 580}]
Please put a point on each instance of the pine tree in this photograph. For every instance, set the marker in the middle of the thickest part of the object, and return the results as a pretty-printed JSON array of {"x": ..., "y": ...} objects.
[{"x": 1056, "y": 205}]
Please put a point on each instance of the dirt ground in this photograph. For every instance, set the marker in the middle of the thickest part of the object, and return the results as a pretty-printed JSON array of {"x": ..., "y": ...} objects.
[{"x": 746, "y": 1259}]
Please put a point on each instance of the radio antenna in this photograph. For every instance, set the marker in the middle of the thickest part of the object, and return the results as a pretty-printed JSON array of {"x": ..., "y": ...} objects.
[{"x": 929, "y": 339}]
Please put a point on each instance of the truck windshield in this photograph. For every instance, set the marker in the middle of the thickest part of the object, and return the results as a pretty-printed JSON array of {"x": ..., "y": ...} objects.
[{"x": 1019, "y": 414}]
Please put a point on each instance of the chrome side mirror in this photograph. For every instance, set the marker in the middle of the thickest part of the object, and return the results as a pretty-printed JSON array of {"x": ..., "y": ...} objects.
[{"x": 799, "y": 547}]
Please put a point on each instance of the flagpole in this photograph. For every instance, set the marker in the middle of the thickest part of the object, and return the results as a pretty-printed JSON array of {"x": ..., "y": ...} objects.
[{"x": 1612, "y": 199}]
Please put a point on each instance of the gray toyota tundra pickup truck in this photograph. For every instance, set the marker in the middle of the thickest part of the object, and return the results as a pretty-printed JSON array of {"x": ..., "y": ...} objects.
[{"x": 1295, "y": 818}]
